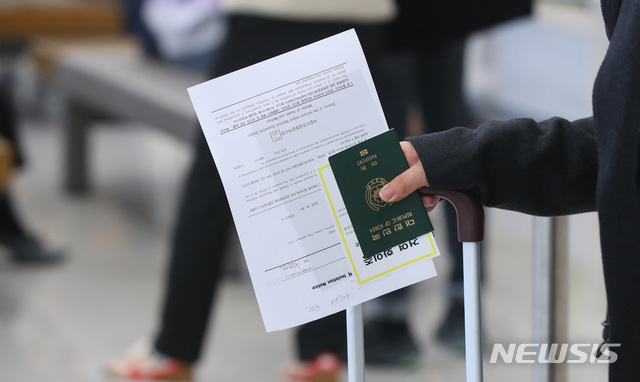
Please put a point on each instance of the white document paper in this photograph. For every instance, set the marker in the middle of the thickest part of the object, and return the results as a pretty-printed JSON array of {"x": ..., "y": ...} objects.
[{"x": 270, "y": 128}]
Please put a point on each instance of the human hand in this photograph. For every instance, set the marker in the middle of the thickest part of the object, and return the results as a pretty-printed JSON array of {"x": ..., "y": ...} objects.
[{"x": 409, "y": 181}]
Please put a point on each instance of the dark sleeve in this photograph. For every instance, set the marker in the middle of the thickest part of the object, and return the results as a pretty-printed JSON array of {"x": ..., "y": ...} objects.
[{"x": 539, "y": 168}]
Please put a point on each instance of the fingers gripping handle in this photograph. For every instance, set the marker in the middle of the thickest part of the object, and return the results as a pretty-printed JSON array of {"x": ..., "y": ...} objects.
[{"x": 469, "y": 211}]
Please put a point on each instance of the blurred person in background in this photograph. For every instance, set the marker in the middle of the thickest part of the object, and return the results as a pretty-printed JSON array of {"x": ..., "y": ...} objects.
[
  {"x": 21, "y": 245},
  {"x": 183, "y": 33},
  {"x": 187, "y": 34},
  {"x": 427, "y": 53},
  {"x": 257, "y": 30}
]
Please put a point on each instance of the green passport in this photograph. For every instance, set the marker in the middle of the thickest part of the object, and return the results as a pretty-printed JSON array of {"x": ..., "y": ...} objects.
[{"x": 361, "y": 171}]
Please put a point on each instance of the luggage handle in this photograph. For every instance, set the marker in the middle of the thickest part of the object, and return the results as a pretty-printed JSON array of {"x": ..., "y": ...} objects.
[
  {"x": 470, "y": 218},
  {"x": 468, "y": 210}
]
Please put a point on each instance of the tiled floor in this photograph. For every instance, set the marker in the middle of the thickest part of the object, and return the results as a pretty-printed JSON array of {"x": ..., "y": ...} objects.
[{"x": 61, "y": 323}]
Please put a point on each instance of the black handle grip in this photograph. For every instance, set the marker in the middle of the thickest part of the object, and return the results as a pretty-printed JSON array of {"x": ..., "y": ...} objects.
[{"x": 469, "y": 211}]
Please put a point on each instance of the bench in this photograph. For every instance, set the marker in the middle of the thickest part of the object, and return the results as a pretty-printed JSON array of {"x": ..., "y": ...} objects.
[
  {"x": 24, "y": 19},
  {"x": 115, "y": 81}
]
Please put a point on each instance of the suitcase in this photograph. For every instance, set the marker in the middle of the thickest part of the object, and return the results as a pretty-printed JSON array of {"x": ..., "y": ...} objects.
[{"x": 470, "y": 232}]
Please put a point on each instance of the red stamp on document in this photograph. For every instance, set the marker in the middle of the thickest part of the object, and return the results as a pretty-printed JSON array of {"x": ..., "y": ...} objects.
[{"x": 276, "y": 136}]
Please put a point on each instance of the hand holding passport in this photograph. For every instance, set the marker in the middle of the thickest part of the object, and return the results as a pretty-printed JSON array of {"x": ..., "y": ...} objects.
[
  {"x": 361, "y": 172},
  {"x": 409, "y": 181}
]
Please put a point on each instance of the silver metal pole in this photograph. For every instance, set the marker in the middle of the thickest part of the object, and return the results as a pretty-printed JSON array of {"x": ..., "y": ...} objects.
[
  {"x": 472, "y": 316},
  {"x": 542, "y": 286},
  {"x": 550, "y": 292},
  {"x": 355, "y": 344}
]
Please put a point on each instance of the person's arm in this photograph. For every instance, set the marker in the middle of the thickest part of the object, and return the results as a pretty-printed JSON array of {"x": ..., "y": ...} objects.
[{"x": 540, "y": 168}]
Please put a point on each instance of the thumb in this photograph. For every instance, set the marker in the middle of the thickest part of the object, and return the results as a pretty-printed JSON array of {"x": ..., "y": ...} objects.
[{"x": 404, "y": 184}]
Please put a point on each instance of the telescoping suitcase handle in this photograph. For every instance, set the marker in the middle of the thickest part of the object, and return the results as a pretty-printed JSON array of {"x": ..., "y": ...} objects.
[
  {"x": 470, "y": 233},
  {"x": 470, "y": 216}
]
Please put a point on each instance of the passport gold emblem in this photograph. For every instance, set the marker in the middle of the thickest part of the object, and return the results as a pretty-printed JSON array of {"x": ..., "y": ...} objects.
[{"x": 372, "y": 195}]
